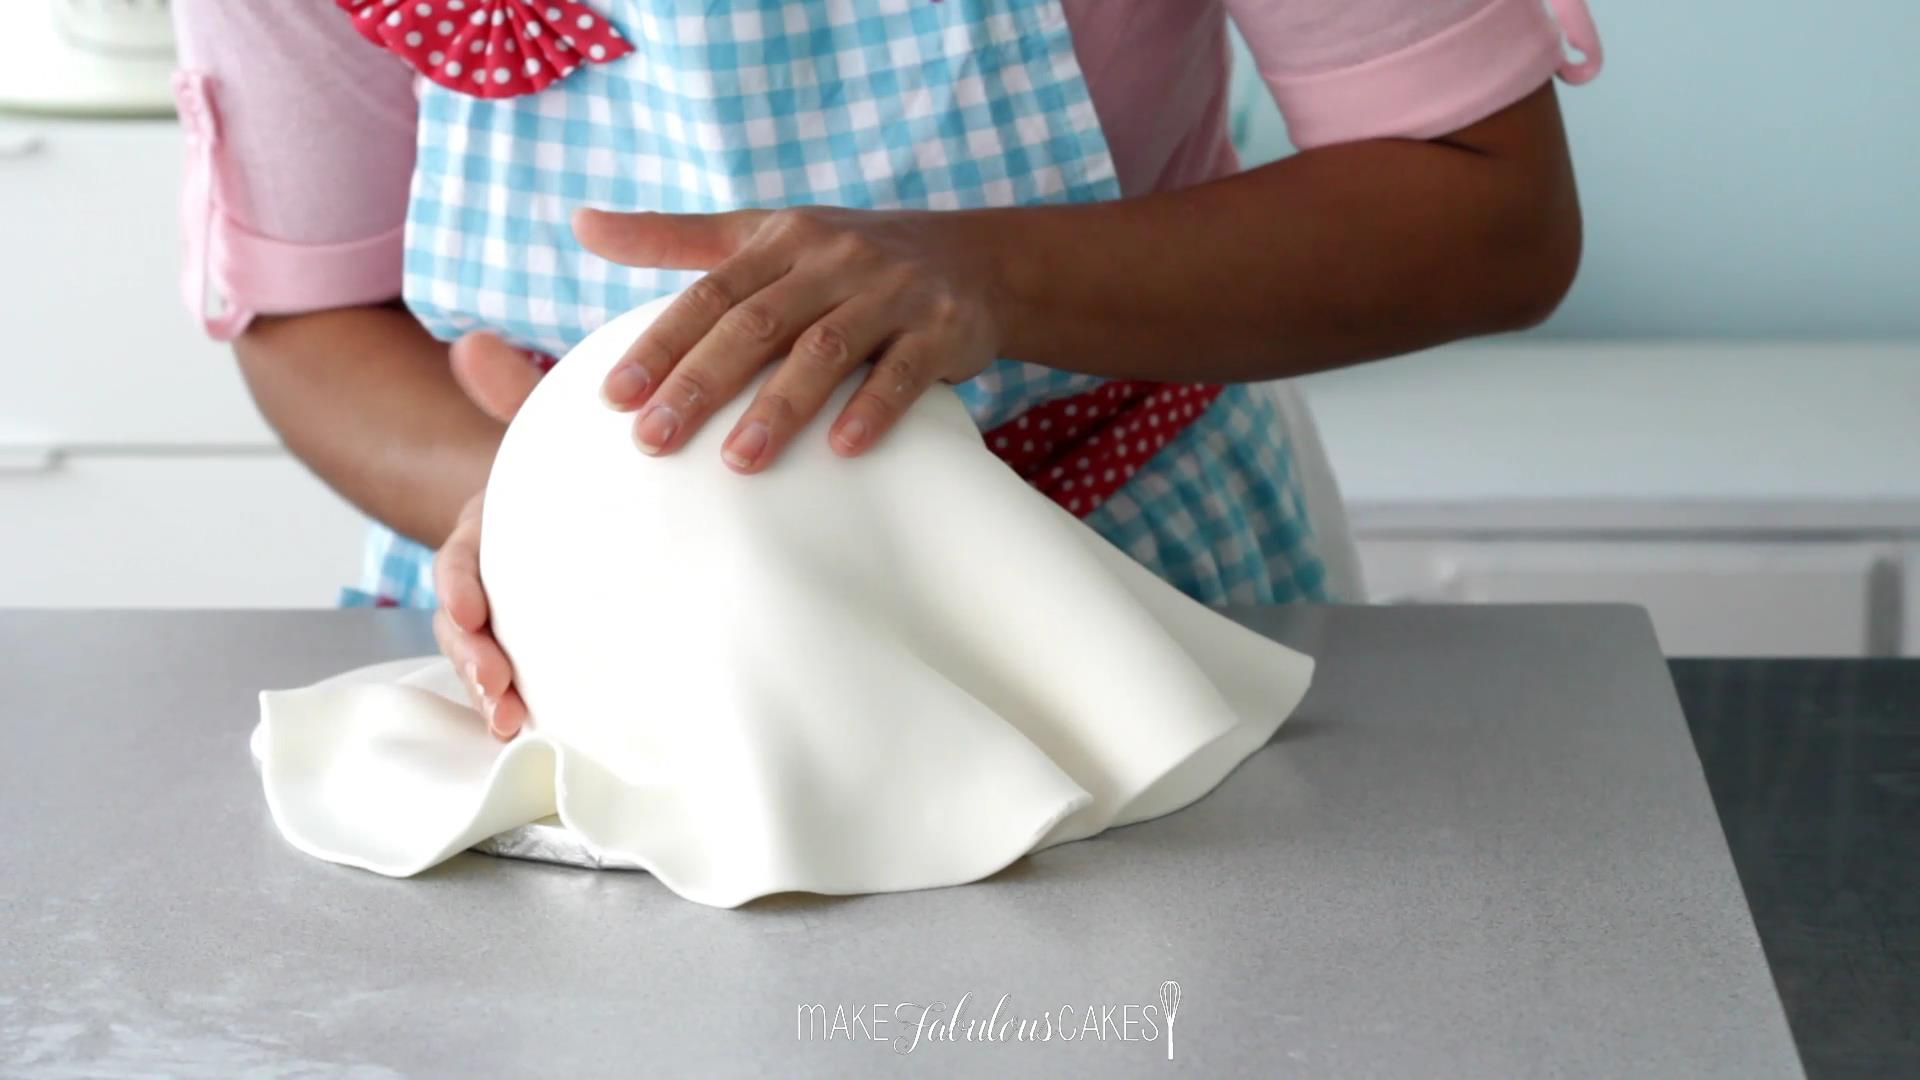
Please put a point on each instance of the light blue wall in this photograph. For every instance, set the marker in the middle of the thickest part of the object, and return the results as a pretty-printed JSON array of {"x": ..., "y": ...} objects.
[{"x": 1748, "y": 168}]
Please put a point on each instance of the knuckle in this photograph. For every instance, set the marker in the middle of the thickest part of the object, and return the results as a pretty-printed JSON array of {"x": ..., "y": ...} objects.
[
  {"x": 901, "y": 278},
  {"x": 491, "y": 672},
  {"x": 446, "y": 634},
  {"x": 692, "y": 388},
  {"x": 650, "y": 354},
  {"x": 463, "y": 541},
  {"x": 708, "y": 297},
  {"x": 853, "y": 248},
  {"x": 825, "y": 346},
  {"x": 752, "y": 322},
  {"x": 657, "y": 362},
  {"x": 876, "y": 403},
  {"x": 793, "y": 224},
  {"x": 446, "y": 578},
  {"x": 894, "y": 377},
  {"x": 777, "y": 408},
  {"x": 446, "y": 575},
  {"x": 944, "y": 309}
]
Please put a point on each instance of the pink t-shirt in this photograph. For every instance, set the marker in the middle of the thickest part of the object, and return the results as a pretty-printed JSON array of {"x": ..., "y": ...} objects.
[{"x": 302, "y": 134}]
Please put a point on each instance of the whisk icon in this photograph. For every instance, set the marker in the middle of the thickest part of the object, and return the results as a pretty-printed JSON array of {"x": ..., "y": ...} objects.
[{"x": 1169, "y": 1005}]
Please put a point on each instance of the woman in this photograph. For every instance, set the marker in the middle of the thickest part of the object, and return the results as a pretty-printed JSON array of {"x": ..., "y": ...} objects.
[{"x": 1035, "y": 200}]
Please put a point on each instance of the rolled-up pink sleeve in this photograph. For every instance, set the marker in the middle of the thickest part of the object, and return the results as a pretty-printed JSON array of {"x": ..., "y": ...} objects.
[
  {"x": 300, "y": 142},
  {"x": 1343, "y": 70}
]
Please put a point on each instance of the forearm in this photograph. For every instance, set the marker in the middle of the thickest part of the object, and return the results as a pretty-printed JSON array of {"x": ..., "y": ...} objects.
[
  {"x": 1331, "y": 257},
  {"x": 365, "y": 398}
]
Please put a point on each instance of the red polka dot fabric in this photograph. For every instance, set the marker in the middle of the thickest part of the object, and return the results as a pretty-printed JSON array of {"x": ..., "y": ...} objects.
[
  {"x": 1079, "y": 450},
  {"x": 489, "y": 48}
]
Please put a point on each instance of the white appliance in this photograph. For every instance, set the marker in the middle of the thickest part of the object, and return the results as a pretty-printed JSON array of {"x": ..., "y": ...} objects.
[{"x": 88, "y": 58}]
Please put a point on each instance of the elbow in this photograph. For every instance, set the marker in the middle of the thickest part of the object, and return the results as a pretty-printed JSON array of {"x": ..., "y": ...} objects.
[
  {"x": 1539, "y": 267},
  {"x": 1549, "y": 284},
  {"x": 260, "y": 351}
]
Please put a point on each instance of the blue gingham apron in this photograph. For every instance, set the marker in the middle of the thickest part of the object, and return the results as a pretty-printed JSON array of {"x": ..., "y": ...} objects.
[{"x": 938, "y": 104}]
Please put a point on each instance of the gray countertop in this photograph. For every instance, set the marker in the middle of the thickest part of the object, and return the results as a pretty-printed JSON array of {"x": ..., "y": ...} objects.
[{"x": 1483, "y": 846}]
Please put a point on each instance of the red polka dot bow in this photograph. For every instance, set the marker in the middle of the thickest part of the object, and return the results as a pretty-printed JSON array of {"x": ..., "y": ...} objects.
[
  {"x": 1079, "y": 450},
  {"x": 489, "y": 48}
]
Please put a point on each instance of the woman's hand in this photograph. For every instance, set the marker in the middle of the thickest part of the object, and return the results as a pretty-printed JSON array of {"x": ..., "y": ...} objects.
[
  {"x": 828, "y": 290},
  {"x": 498, "y": 378}
]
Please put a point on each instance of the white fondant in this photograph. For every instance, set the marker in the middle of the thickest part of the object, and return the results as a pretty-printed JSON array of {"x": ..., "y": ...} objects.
[{"x": 899, "y": 671}]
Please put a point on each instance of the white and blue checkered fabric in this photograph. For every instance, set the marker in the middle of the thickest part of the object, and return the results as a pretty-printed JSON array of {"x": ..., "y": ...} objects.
[{"x": 942, "y": 104}]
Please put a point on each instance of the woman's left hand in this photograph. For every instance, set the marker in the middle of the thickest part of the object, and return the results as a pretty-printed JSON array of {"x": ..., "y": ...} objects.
[{"x": 822, "y": 291}]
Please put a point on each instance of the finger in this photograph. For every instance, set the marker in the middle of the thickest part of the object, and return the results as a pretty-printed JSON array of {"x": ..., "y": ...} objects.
[
  {"x": 744, "y": 340},
  {"x": 497, "y": 376},
  {"x": 799, "y": 387},
  {"x": 666, "y": 241},
  {"x": 493, "y": 676},
  {"x": 485, "y": 671},
  {"x": 463, "y": 649},
  {"x": 456, "y": 572},
  {"x": 691, "y": 316},
  {"x": 900, "y": 375},
  {"x": 509, "y": 715}
]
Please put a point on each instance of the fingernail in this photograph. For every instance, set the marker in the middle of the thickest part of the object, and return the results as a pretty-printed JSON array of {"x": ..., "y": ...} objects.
[
  {"x": 657, "y": 425},
  {"x": 472, "y": 673},
  {"x": 625, "y": 384},
  {"x": 747, "y": 444},
  {"x": 852, "y": 434}
]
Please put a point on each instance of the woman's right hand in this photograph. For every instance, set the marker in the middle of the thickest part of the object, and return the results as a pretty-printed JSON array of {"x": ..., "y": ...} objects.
[{"x": 498, "y": 377}]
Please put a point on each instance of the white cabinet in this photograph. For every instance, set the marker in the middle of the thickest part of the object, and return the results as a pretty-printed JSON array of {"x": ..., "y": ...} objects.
[
  {"x": 1756, "y": 499},
  {"x": 189, "y": 530},
  {"x": 99, "y": 349},
  {"x": 134, "y": 470},
  {"x": 1706, "y": 598}
]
